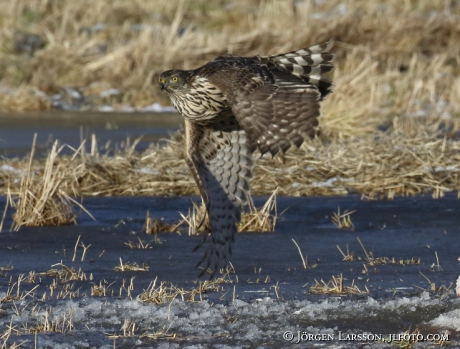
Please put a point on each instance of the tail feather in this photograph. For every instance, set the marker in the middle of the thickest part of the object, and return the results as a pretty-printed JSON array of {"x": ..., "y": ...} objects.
[
  {"x": 224, "y": 215},
  {"x": 310, "y": 64}
]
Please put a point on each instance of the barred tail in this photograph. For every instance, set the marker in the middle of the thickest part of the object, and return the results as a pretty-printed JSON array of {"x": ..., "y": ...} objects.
[{"x": 310, "y": 64}]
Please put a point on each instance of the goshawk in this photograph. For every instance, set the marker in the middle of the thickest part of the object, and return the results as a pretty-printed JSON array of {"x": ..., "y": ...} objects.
[{"x": 233, "y": 106}]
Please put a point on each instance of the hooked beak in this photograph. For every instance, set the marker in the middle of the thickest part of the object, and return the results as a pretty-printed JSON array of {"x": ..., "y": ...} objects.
[{"x": 162, "y": 83}]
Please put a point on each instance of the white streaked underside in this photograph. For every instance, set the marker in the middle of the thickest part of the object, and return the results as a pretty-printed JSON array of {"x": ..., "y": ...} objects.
[{"x": 203, "y": 101}]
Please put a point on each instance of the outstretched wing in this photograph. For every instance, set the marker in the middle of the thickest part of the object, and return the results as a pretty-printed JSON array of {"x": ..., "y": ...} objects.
[
  {"x": 276, "y": 98},
  {"x": 220, "y": 159}
]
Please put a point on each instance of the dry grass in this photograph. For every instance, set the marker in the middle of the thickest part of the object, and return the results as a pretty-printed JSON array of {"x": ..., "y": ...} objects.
[
  {"x": 374, "y": 261},
  {"x": 141, "y": 244},
  {"x": 163, "y": 333},
  {"x": 42, "y": 196},
  {"x": 252, "y": 220},
  {"x": 95, "y": 46},
  {"x": 65, "y": 273},
  {"x": 7, "y": 268},
  {"x": 101, "y": 289},
  {"x": 343, "y": 220},
  {"x": 155, "y": 226},
  {"x": 14, "y": 291},
  {"x": 414, "y": 158},
  {"x": 347, "y": 257},
  {"x": 39, "y": 199},
  {"x": 167, "y": 292},
  {"x": 433, "y": 287},
  {"x": 46, "y": 321},
  {"x": 41, "y": 202},
  {"x": 336, "y": 286},
  {"x": 127, "y": 329},
  {"x": 131, "y": 266},
  {"x": 118, "y": 170},
  {"x": 260, "y": 220},
  {"x": 436, "y": 266},
  {"x": 304, "y": 259},
  {"x": 197, "y": 220},
  {"x": 4, "y": 337},
  {"x": 50, "y": 322}
]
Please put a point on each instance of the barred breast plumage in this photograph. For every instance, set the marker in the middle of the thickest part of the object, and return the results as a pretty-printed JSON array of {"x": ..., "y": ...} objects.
[{"x": 203, "y": 102}]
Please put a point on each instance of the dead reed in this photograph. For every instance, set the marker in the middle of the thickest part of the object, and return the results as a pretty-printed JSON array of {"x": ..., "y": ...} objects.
[
  {"x": 40, "y": 199},
  {"x": 166, "y": 292},
  {"x": 414, "y": 158},
  {"x": 131, "y": 266},
  {"x": 343, "y": 220},
  {"x": 252, "y": 220},
  {"x": 433, "y": 287},
  {"x": 155, "y": 226},
  {"x": 375, "y": 261},
  {"x": 260, "y": 220},
  {"x": 336, "y": 286},
  {"x": 42, "y": 202},
  {"x": 65, "y": 273}
]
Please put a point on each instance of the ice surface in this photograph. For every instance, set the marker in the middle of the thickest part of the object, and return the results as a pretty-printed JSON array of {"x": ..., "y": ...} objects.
[
  {"x": 8, "y": 168},
  {"x": 227, "y": 324},
  {"x": 449, "y": 320},
  {"x": 252, "y": 321},
  {"x": 109, "y": 92},
  {"x": 158, "y": 108}
]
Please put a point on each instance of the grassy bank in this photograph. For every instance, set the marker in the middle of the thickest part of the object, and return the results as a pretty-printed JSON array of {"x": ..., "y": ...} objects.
[{"x": 413, "y": 157}]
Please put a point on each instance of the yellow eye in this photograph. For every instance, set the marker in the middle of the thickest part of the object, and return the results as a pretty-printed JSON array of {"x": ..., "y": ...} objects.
[{"x": 175, "y": 79}]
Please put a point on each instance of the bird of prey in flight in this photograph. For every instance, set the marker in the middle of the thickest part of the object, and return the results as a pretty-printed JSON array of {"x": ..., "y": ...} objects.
[{"x": 232, "y": 107}]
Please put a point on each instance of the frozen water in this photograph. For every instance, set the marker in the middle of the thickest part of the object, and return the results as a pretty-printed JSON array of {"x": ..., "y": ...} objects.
[
  {"x": 230, "y": 323},
  {"x": 393, "y": 305},
  {"x": 449, "y": 320},
  {"x": 158, "y": 108},
  {"x": 238, "y": 321},
  {"x": 8, "y": 168},
  {"x": 106, "y": 108},
  {"x": 109, "y": 92}
]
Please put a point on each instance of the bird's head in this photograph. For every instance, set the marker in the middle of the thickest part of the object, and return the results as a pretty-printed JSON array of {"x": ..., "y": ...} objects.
[{"x": 173, "y": 81}]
